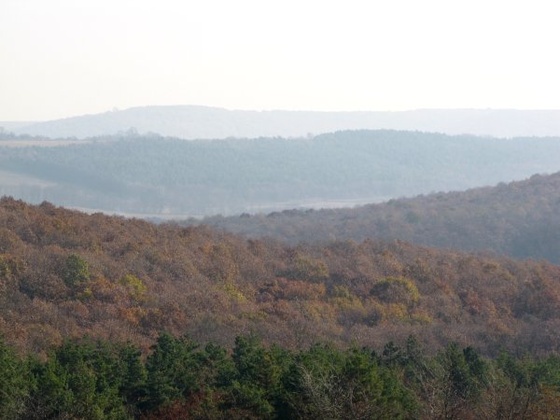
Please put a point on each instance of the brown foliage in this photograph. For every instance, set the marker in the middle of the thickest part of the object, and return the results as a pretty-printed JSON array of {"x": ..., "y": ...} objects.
[{"x": 143, "y": 278}]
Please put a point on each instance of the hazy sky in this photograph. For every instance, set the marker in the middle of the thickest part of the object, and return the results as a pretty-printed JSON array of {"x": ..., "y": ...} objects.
[{"x": 62, "y": 58}]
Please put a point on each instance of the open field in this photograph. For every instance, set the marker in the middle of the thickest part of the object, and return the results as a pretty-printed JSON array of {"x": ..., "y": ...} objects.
[{"x": 10, "y": 179}]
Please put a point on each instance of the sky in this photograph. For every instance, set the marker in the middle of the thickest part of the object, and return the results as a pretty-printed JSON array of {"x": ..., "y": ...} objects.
[{"x": 61, "y": 58}]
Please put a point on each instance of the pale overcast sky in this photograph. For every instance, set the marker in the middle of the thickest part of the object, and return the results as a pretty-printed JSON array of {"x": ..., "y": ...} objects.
[{"x": 62, "y": 58}]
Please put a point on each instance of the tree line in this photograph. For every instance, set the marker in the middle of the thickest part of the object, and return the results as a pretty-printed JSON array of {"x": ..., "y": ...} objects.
[{"x": 181, "y": 378}]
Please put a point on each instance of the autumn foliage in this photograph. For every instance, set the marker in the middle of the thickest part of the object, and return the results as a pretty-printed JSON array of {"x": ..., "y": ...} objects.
[{"x": 65, "y": 274}]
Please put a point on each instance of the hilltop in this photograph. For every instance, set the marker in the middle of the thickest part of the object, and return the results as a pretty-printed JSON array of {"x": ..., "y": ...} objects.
[{"x": 199, "y": 122}]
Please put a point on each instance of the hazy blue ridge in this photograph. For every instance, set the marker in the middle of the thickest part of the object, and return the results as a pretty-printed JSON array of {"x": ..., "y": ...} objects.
[{"x": 152, "y": 174}]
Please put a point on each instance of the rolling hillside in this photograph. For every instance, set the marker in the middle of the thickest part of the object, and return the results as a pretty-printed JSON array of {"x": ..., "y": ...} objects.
[
  {"x": 65, "y": 274},
  {"x": 520, "y": 219},
  {"x": 198, "y": 122},
  {"x": 167, "y": 177}
]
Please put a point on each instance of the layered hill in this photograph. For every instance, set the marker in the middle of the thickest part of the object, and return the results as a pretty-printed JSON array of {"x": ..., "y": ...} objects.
[
  {"x": 520, "y": 219},
  {"x": 198, "y": 122},
  {"x": 153, "y": 175},
  {"x": 67, "y": 274}
]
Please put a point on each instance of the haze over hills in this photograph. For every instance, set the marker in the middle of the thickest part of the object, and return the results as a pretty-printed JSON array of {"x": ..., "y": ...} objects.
[
  {"x": 520, "y": 219},
  {"x": 13, "y": 126},
  {"x": 199, "y": 122},
  {"x": 165, "y": 176}
]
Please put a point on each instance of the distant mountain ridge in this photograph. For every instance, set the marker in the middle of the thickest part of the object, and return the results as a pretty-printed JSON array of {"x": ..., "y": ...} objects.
[
  {"x": 153, "y": 175},
  {"x": 200, "y": 122}
]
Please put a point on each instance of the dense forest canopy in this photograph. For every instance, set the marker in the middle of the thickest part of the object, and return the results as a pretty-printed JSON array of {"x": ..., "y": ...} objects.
[
  {"x": 182, "y": 379},
  {"x": 67, "y": 274},
  {"x": 520, "y": 219},
  {"x": 165, "y": 176},
  {"x": 317, "y": 314}
]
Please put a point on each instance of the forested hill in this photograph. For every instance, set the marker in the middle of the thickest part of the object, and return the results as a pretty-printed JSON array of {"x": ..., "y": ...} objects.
[
  {"x": 165, "y": 176},
  {"x": 65, "y": 274},
  {"x": 521, "y": 219},
  {"x": 199, "y": 122}
]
